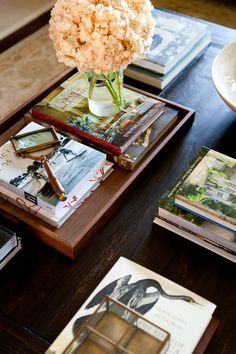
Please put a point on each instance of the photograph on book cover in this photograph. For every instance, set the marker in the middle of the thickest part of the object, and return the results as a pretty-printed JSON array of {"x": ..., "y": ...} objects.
[
  {"x": 66, "y": 107},
  {"x": 174, "y": 37},
  {"x": 73, "y": 163},
  {"x": 210, "y": 189},
  {"x": 181, "y": 312}
]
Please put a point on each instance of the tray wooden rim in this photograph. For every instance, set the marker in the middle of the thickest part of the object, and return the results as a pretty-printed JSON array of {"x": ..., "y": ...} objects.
[{"x": 77, "y": 231}]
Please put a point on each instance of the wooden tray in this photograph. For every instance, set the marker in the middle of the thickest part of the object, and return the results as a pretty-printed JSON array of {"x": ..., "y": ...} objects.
[{"x": 75, "y": 233}]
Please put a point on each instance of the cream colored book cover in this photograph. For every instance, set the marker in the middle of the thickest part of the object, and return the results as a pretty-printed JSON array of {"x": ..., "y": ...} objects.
[{"x": 179, "y": 311}]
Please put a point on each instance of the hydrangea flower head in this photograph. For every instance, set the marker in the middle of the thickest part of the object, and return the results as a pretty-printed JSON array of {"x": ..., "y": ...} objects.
[{"x": 101, "y": 35}]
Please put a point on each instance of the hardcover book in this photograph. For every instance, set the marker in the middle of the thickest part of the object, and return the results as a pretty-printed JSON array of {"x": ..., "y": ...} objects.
[
  {"x": 68, "y": 209},
  {"x": 211, "y": 232},
  {"x": 8, "y": 240},
  {"x": 160, "y": 81},
  {"x": 177, "y": 310},
  {"x": 66, "y": 107},
  {"x": 174, "y": 37},
  {"x": 132, "y": 156},
  {"x": 209, "y": 189},
  {"x": 73, "y": 163},
  {"x": 196, "y": 238},
  {"x": 10, "y": 244}
]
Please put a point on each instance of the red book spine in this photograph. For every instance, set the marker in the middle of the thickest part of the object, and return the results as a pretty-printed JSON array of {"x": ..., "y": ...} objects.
[{"x": 64, "y": 126}]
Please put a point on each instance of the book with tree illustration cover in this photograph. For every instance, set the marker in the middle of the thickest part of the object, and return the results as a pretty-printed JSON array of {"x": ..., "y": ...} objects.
[
  {"x": 66, "y": 107},
  {"x": 209, "y": 190},
  {"x": 179, "y": 311}
]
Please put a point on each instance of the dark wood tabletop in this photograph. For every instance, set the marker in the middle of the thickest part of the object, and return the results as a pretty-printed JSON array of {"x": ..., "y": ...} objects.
[{"x": 41, "y": 289}]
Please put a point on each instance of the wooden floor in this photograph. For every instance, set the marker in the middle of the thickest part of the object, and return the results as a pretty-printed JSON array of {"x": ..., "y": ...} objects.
[{"x": 222, "y": 12}]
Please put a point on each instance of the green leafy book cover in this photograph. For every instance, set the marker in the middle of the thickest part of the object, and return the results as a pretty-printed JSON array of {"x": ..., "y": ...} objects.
[
  {"x": 210, "y": 189},
  {"x": 66, "y": 107},
  {"x": 167, "y": 202}
]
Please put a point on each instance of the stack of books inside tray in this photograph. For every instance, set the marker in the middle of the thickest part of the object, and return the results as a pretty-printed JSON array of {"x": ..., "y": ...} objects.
[
  {"x": 87, "y": 153},
  {"x": 126, "y": 137},
  {"x": 10, "y": 244},
  {"x": 202, "y": 205},
  {"x": 24, "y": 182},
  {"x": 177, "y": 41}
]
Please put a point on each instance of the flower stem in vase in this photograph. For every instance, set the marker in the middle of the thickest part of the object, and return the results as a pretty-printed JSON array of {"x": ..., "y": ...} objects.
[{"x": 105, "y": 94}]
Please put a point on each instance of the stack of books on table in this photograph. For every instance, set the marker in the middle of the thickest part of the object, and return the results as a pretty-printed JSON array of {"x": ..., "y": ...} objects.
[
  {"x": 126, "y": 137},
  {"x": 24, "y": 182},
  {"x": 177, "y": 41},
  {"x": 10, "y": 245},
  {"x": 202, "y": 205}
]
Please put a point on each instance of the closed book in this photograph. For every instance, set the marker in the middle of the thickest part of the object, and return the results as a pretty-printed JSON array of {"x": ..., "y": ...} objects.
[
  {"x": 73, "y": 163},
  {"x": 11, "y": 253},
  {"x": 152, "y": 135},
  {"x": 196, "y": 238},
  {"x": 179, "y": 311},
  {"x": 71, "y": 206},
  {"x": 209, "y": 189},
  {"x": 66, "y": 107},
  {"x": 168, "y": 211},
  {"x": 160, "y": 81},
  {"x": 8, "y": 240},
  {"x": 174, "y": 37}
]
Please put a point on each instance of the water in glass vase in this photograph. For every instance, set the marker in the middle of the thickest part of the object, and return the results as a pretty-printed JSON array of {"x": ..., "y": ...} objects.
[{"x": 105, "y": 94}]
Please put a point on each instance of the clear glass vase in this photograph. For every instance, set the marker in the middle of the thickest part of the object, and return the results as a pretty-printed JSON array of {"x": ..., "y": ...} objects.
[{"x": 105, "y": 93}]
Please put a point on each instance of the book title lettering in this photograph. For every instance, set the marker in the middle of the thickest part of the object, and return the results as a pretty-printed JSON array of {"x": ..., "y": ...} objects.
[{"x": 6, "y": 158}]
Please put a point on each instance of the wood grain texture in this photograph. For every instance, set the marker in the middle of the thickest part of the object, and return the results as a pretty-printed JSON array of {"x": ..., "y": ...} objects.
[
  {"x": 24, "y": 340},
  {"x": 75, "y": 233},
  {"x": 42, "y": 289}
]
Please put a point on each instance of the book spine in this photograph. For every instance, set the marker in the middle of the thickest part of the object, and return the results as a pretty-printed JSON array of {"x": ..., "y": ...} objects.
[
  {"x": 146, "y": 120},
  {"x": 72, "y": 198},
  {"x": 36, "y": 201},
  {"x": 85, "y": 136},
  {"x": 58, "y": 220},
  {"x": 198, "y": 236},
  {"x": 196, "y": 239},
  {"x": 29, "y": 207},
  {"x": 122, "y": 162}
]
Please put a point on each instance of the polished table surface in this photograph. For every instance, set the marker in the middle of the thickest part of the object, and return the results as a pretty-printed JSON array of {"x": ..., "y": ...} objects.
[{"x": 41, "y": 289}]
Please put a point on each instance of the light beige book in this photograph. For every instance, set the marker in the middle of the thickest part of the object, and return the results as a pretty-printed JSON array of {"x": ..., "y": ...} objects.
[{"x": 172, "y": 307}]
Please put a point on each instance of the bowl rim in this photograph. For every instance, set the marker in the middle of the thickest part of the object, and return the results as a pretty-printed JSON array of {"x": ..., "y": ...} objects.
[{"x": 230, "y": 103}]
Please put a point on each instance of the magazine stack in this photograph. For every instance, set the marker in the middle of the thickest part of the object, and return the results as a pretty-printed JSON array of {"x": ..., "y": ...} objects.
[
  {"x": 202, "y": 205},
  {"x": 177, "y": 41}
]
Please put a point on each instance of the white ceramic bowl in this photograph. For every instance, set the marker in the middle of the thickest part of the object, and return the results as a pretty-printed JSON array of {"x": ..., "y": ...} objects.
[{"x": 224, "y": 74}]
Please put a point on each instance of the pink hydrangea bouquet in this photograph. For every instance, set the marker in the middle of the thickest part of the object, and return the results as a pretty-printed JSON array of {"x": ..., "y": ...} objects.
[{"x": 101, "y": 37}]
